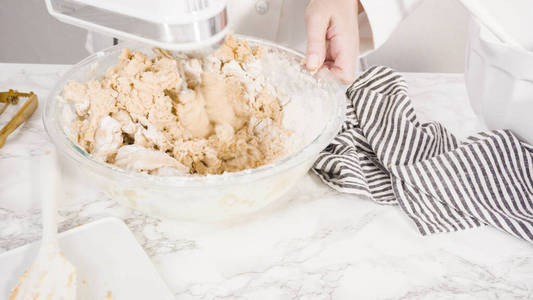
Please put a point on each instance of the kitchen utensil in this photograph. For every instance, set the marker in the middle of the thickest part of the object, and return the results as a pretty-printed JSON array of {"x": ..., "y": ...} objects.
[
  {"x": 110, "y": 263},
  {"x": 320, "y": 112},
  {"x": 186, "y": 25},
  {"x": 12, "y": 97},
  {"x": 51, "y": 276}
]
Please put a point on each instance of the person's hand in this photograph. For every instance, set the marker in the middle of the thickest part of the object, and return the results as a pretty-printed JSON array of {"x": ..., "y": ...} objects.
[{"x": 333, "y": 36}]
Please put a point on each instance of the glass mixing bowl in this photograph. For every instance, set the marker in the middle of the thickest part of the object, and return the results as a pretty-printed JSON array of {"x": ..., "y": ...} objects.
[{"x": 212, "y": 197}]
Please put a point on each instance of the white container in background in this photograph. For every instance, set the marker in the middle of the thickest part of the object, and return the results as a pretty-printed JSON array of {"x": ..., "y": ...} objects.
[{"x": 499, "y": 80}]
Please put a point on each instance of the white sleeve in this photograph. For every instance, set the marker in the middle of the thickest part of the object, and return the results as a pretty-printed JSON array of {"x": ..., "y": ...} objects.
[{"x": 379, "y": 20}]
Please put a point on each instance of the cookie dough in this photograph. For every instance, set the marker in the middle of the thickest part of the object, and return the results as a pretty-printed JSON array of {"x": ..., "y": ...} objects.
[{"x": 175, "y": 116}]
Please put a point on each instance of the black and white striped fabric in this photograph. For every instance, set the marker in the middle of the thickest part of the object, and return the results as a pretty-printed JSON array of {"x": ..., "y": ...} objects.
[{"x": 385, "y": 153}]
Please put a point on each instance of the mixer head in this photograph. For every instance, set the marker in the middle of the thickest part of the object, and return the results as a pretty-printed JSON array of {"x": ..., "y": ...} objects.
[{"x": 174, "y": 25}]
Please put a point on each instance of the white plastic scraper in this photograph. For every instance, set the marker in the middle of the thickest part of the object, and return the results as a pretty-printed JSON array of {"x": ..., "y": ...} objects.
[{"x": 51, "y": 276}]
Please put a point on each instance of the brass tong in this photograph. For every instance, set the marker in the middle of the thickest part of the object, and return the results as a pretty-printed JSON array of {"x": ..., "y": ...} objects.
[{"x": 11, "y": 97}]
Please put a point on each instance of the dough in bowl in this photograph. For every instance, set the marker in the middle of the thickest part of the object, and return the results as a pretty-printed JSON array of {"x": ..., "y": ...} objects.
[{"x": 175, "y": 116}]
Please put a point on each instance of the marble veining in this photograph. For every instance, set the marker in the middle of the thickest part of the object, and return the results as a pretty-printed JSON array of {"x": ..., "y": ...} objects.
[{"x": 318, "y": 244}]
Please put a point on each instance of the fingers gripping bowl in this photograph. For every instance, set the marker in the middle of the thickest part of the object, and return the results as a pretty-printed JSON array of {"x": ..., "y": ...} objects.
[{"x": 313, "y": 110}]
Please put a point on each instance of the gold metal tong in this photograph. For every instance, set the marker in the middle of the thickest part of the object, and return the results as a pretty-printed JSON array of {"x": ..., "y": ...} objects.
[{"x": 12, "y": 97}]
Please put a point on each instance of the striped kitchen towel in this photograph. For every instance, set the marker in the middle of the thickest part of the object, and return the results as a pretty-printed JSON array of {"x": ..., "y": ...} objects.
[{"x": 442, "y": 184}]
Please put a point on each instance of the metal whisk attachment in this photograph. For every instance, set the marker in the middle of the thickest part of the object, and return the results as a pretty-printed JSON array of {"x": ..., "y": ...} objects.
[{"x": 11, "y": 97}]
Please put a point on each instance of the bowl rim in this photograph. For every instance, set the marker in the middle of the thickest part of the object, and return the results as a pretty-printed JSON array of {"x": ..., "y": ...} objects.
[{"x": 73, "y": 151}]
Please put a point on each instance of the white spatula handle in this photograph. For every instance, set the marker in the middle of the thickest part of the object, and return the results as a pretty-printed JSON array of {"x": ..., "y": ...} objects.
[{"x": 49, "y": 180}]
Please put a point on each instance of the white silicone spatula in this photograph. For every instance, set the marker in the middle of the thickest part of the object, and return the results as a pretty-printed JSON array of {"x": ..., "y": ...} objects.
[{"x": 51, "y": 276}]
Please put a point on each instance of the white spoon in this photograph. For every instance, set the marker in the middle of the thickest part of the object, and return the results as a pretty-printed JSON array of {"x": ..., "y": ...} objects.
[{"x": 51, "y": 276}]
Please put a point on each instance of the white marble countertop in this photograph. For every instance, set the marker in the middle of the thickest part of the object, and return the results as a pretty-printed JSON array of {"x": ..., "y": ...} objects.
[{"x": 319, "y": 245}]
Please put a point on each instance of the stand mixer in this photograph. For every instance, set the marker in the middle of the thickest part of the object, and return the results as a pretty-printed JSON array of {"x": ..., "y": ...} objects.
[{"x": 197, "y": 26}]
